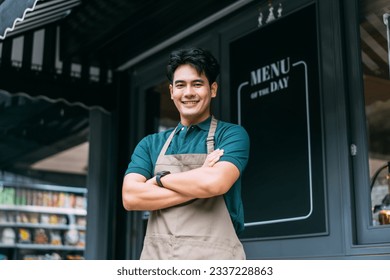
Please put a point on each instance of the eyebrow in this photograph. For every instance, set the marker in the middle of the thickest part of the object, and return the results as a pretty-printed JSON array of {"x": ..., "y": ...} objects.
[{"x": 194, "y": 81}]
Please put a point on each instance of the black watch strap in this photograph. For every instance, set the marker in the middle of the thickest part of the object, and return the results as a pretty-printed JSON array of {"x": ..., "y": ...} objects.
[{"x": 159, "y": 175}]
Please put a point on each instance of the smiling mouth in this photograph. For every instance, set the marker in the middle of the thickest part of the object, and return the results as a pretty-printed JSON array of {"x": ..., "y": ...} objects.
[{"x": 189, "y": 102}]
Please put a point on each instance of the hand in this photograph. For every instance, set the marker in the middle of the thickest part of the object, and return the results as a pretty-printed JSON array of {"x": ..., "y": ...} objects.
[
  {"x": 152, "y": 181},
  {"x": 213, "y": 158}
]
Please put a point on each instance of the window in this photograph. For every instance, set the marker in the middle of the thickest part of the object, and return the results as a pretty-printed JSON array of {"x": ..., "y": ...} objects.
[
  {"x": 375, "y": 61},
  {"x": 371, "y": 127}
]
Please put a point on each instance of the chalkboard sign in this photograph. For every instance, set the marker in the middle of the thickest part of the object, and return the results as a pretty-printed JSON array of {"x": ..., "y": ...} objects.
[{"x": 276, "y": 97}]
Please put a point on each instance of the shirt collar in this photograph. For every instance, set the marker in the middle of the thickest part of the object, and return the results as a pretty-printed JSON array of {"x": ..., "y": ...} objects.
[{"x": 205, "y": 125}]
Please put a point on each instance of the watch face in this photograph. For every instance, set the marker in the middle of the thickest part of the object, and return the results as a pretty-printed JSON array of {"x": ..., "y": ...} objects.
[{"x": 159, "y": 175}]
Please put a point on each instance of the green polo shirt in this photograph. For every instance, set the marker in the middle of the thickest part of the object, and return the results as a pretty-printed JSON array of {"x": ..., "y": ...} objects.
[{"x": 232, "y": 138}]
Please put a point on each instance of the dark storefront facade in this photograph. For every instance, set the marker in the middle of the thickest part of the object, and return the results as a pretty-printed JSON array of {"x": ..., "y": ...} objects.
[{"x": 310, "y": 82}]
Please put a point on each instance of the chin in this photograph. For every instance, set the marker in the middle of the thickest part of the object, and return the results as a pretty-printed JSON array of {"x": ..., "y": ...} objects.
[{"x": 189, "y": 113}]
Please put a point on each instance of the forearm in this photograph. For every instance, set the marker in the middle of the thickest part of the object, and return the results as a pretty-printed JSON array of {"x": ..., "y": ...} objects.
[
  {"x": 140, "y": 195},
  {"x": 203, "y": 182}
]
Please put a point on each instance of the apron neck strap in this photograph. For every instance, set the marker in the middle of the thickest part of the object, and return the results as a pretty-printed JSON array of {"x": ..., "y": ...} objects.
[
  {"x": 166, "y": 145},
  {"x": 210, "y": 136},
  {"x": 209, "y": 140}
]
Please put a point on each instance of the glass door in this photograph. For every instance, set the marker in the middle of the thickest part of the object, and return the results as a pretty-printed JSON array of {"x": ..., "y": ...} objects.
[{"x": 367, "y": 47}]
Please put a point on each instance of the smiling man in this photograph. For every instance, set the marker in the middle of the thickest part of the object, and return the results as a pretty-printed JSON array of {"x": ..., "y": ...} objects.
[{"x": 190, "y": 177}]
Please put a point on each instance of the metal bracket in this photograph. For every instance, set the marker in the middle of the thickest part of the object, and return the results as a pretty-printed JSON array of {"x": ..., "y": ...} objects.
[
  {"x": 386, "y": 21},
  {"x": 353, "y": 150}
]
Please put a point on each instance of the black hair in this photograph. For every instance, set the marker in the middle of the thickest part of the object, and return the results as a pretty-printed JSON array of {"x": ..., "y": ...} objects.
[{"x": 202, "y": 60}]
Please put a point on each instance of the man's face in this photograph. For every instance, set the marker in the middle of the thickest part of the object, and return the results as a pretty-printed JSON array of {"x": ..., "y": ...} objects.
[{"x": 192, "y": 94}]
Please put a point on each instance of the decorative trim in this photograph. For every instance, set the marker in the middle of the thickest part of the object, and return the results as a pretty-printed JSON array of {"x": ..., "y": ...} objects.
[
  {"x": 51, "y": 100},
  {"x": 12, "y": 4}
]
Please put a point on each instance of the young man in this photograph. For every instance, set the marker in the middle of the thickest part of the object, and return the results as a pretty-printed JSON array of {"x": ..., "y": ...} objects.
[{"x": 189, "y": 177}]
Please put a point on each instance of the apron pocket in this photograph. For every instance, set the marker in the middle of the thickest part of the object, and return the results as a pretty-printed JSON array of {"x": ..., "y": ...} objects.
[
  {"x": 206, "y": 248},
  {"x": 157, "y": 247}
]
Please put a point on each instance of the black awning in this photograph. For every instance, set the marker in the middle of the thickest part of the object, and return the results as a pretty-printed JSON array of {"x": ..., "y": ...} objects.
[
  {"x": 33, "y": 128},
  {"x": 11, "y": 12}
]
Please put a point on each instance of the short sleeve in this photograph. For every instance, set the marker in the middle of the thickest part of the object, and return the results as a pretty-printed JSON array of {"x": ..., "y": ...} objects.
[
  {"x": 234, "y": 140},
  {"x": 141, "y": 161}
]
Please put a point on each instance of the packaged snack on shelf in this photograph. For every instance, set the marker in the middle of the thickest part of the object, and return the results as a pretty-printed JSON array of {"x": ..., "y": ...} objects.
[
  {"x": 81, "y": 202},
  {"x": 11, "y": 217},
  {"x": 46, "y": 199},
  {"x": 55, "y": 237},
  {"x": 24, "y": 235},
  {"x": 20, "y": 196},
  {"x": 24, "y": 200},
  {"x": 71, "y": 237},
  {"x": 38, "y": 198},
  {"x": 52, "y": 256},
  {"x": 8, "y": 196},
  {"x": 63, "y": 220},
  {"x": 3, "y": 217},
  {"x": 61, "y": 199},
  {"x": 40, "y": 236},
  {"x": 22, "y": 218},
  {"x": 8, "y": 236},
  {"x": 45, "y": 218},
  {"x": 34, "y": 197},
  {"x": 74, "y": 257},
  {"x": 72, "y": 200},
  {"x": 53, "y": 219},
  {"x": 34, "y": 218},
  {"x": 55, "y": 199},
  {"x": 81, "y": 242},
  {"x": 81, "y": 221},
  {"x": 57, "y": 219},
  {"x": 29, "y": 197},
  {"x": 31, "y": 257},
  {"x": 18, "y": 218}
]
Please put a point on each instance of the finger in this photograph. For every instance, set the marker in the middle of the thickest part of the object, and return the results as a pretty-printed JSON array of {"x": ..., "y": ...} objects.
[
  {"x": 216, "y": 152},
  {"x": 214, "y": 160}
]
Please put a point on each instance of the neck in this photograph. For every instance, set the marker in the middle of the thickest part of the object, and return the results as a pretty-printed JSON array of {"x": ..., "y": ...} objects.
[{"x": 189, "y": 122}]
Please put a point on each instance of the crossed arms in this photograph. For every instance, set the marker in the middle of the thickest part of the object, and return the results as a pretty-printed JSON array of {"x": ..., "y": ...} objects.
[{"x": 212, "y": 179}]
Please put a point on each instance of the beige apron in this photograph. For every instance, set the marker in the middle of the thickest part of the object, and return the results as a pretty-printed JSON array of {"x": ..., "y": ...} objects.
[{"x": 198, "y": 229}]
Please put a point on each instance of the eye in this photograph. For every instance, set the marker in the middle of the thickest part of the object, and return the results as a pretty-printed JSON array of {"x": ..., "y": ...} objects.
[
  {"x": 179, "y": 85},
  {"x": 198, "y": 84}
]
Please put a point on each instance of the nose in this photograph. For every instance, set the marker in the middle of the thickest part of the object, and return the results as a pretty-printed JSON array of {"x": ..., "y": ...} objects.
[{"x": 188, "y": 91}]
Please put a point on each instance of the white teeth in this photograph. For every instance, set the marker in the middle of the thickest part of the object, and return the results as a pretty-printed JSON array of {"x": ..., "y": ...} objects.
[{"x": 190, "y": 102}]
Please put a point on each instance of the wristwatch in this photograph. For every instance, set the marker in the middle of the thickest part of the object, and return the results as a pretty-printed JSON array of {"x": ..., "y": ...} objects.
[{"x": 159, "y": 175}]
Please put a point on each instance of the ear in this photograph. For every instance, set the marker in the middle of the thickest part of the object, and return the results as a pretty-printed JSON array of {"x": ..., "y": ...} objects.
[
  {"x": 214, "y": 88},
  {"x": 171, "y": 90}
]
